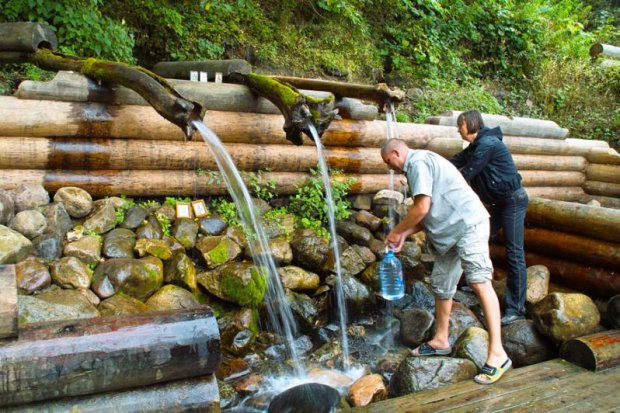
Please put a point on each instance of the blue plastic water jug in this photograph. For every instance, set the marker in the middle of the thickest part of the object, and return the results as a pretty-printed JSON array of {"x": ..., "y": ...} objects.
[{"x": 391, "y": 277}]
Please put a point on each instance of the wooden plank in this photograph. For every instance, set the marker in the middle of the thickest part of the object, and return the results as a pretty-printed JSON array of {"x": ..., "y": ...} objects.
[{"x": 8, "y": 301}]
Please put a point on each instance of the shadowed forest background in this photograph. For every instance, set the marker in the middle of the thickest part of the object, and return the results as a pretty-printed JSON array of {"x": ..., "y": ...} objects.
[{"x": 521, "y": 58}]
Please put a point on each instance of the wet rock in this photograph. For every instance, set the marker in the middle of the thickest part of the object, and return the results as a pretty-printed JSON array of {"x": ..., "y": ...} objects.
[
  {"x": 370, "y": 277},
  {"x": 309, "y": 249},
  {"x": 181, "y": 270},
  {"x": 151, "y": 229},
  {"x": 90, "y": 295},
  {"x": 155, "y": 247},
  {"x": 48, "y": 246},
  {"x": 525, "y": 345},
  {"x": 362, "y": 201},
  {"x": 422, "y": 373},
  {"x": 174, "y": 245},
  {"x": 368, "y": 257},
  {"x": 228, "y": 395},
  {"x": 367, "y": 389},
  {"x": 303, "y": 309},
  {"x": 468, "y": 299},
  {"x": 473, "y": 345},
  {"x": 415, "y": 326},
  {"x": 166, "y": 210},
  {"x": 385, "y": 200},
  {"x": 134, "y": 217},
  {"x": 377, "y": 247},
  {"x": 356, "y": 295},
  {"x": 351, "y": 263},
  {"x": 237, "y": 282},
  {"x": 231, "y": 369},
  {"x": 29, "y": 223},
  {"x": 461, "y": 318},
  {"x": 354, "y": 233},
  {"x": 307, "y": 398},
  {"x": 185, "y": 231},
  {"x": 218, "y": 250},
  {"x": 248, "y": 385},
  {"x": 212, "y": 226},
  {"x": 302, "y": 345},
  {"x": 77, "y": 201},
  {"x": 409, "y": 257},
  {"x": 30, "y": 196},
  {"x": 332, "y": 378},
  {"x": 298, "y": 279},
  {"x": 279, "y": 248},
  {"x": 236, "y": 234},
  {"x": 119, "y": 243},
  {"x": 538, "y": 278},
  {"x": 238, "y": 330},
  {"x": 121, "y": 304},
  {"x": 71, "y": 272},
  {"x": 367, "y": 220},
  {"x": 87, "y": 249},
  {"x": 563, "y": 316},
  {"x": 7, "y": 208},
  {"x": 102, "y": 218},
  {"x": 279, "y": 226},
  {"x": 58, "y": 219},
  {"x": 14, "y": 247},
  {"x": 422, "y": 297},
  {"x": 137, "y": 278},
  {"x": 171, "y": 297},
  {"x": 32, "y": 275},
  {"x": 57, "y": 304}
]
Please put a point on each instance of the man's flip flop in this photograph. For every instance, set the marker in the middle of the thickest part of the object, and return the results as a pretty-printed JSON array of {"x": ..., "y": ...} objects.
[
  {"x": 490, "y": 374},
  {"x": 426, "y": 349}
]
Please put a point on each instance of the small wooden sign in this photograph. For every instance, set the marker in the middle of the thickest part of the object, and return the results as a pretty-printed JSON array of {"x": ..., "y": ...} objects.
[
  {"x": 184, "y": 210},
  {"x": 200, "y": 209}
]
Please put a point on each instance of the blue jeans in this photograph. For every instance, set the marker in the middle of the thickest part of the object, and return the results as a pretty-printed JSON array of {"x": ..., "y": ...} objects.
[{"x": 509, "y": 214}]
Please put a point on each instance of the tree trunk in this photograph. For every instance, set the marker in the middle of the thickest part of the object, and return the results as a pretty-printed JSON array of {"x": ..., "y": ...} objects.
[
  {"x": 146, "y": 183},
  {"x": 8, "y": 301},
  {"x": 594, "y": 222},
  {"x": 584, "y": 278},
  {"x": 593, "y": 352},
  {"x": 603, "y": 173},
  {"x": 510, "y": 126},
  {"x": 74, "y": 87},
  {"x": 181, "y": 70},
  {"x": 602, "y": 188},
  {"x": 154, "y": 89},
  {"x": 199, "y": 394},
  {"x": 26, "y": 37},
  {"x": 572, "y": 247},
  {"x": 80, "y": 357}
]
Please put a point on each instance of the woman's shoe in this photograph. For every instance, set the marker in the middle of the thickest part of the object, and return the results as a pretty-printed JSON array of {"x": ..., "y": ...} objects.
[
  {"x": 426, "y": 349},
  {"x": 511, "y": 318}
]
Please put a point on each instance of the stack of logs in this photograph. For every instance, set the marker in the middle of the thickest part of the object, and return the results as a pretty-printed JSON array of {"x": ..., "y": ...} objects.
[{"x": 71, "y": 131}]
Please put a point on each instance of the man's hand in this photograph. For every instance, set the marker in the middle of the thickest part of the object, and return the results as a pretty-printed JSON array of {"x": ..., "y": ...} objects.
[{"x": 395, "y": 240}]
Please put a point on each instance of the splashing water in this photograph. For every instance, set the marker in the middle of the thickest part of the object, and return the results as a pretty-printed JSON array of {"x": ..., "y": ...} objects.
[
  {"x": 331, "y": 217},
  {"x": 277, "y": 304}
]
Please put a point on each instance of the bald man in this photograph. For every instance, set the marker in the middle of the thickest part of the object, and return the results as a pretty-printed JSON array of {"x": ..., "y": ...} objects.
[{"x": 457, "y": 228}]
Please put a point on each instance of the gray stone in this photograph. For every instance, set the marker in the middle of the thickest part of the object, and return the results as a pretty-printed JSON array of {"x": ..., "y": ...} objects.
[
  {"x": 48, "y": 246},
  {"x": 119, "y": 243},
  {"x": 212, "y": 226},
  {"x": 30, "y": 196},
  {"x": 102, "y": 219},
  {"x": 422, "y": 373},
  {"x": 473, "y": 345},
  {"x": 53, "y": 305},
  {"x": 415, "y": 326},
  {"x": 134, "y": 217},
  {"x": 7, "y": 208},
  {"x": 525, "y": 345},
  {"x": 185, "y": 231},
  {"x": 77, "y": 201},
  {"x": 14, "y": 247},
  {"x": 29, "y": 223},
  {"x": 87, "y": 249}
]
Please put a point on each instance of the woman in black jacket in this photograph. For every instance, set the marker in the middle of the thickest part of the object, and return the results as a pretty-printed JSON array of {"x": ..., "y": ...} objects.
[{"x": 489, "y": 168}]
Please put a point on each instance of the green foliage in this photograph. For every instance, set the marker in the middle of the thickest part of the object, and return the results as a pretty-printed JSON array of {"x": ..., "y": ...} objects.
[
  {"x": 93, "y": 233},
  {"x": 310, "y": 206},
  {"x": 80, "y": 26},
  {"x": 226, "y": 210},
  {"x": 172, "y": 201},
  {"x": 164, "y": 221},
  {"x": 149, "y": 203},
  {"x": 261, "y": 186}
]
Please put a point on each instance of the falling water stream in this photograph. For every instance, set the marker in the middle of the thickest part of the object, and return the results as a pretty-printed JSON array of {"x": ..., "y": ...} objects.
[{"x": 280, "y": 313}]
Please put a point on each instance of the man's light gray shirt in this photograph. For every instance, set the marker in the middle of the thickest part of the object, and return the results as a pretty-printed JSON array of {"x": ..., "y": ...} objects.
[{"x": 454, "y": 205}]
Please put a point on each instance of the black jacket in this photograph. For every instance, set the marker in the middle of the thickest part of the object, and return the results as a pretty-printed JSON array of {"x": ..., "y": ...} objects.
[{"x": 488, "y": 166}]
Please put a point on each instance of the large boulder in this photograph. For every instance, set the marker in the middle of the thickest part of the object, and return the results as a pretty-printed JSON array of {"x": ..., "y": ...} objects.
[
  {"x": 139, "y": 278},
  {"x": 14, "y": 247},
  {"x": 77, "y": 201},
  {"x": 307, "y": 398},
  {"x": 422, "y": 373},
  {"x": 236, "y": 282},
  {"x": 473, "y": 345},
  {"x": 525, "y": 345},
  {"x": 55, "y": 304},
  {"x": 563, "y": 316}
]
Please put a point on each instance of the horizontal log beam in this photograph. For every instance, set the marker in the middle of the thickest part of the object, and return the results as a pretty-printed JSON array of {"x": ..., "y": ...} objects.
[
  {"x": 552, "y": 178},
  {"x": 181, "y": 70},
  {"x": 602, "y": 188},
  {"x": 591, "y": 221},
  {"x": 573, "y": 247},
  {"x": 603, "y": 173},
  {"x": 173, "y": 183},
  {"x": 569, "y": 194},
  {"x": 604, "y": 201},
  {"x": 594, "y": 352},
  {"x": 586, "y": 278},
  {"x": 74, "y": 358},
  {"x": 8, "y": 301}
]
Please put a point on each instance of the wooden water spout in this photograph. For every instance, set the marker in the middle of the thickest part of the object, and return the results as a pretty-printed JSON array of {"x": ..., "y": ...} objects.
[{"x": 151, "y": 87}]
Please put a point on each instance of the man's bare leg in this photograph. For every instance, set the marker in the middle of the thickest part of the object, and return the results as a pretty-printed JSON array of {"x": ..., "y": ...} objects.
[{"x": 490, "y": 307}]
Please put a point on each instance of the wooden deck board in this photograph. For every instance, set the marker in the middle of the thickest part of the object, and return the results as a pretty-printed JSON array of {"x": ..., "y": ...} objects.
[{"x": 555, "y": 384}]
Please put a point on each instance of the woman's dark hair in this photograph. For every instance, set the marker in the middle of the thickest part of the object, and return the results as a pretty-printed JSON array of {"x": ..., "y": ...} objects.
[{"x": 473, "y": 120}]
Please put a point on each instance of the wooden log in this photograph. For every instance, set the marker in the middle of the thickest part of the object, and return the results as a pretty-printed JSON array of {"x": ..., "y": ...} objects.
[
  {"x": 199, "y": 394},
  {"x": 181, "y": 70},
  {"x": 613, "y": 311},
  {"x": 552, "y": 178},
  {"x": 80, "y": 357},
  {"x": 572, "y": 194},
  {"x": 26, "y": 37},
  {"x": 573, "y": 247},
  {"x": 604, "y": 201},
  {"x": 33, "y": 118},
  {"x": 96, "y": 154},
  {"x": 591, "y": 221},
  {"x": 549, "y": 163},
  {"x": 603, "y": 155},
  {"x": 585, "y": 278},
  {"x": 228, "y": 97},
  {"x": 602, "y": 188},
  {"x": 8, "y": 301},
  {"x": 102, "y": 183},
  {"x": 603, "y": 173},
  {"x": 604, "y": 49},
  {"x": 594, "y": 352},
  {"x": 510, "y": 126}
]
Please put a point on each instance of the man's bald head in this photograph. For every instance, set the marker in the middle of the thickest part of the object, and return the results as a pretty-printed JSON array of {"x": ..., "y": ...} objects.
[
  {"x": 394, "y": 153},
  {"x": 392, "y": 144}
]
